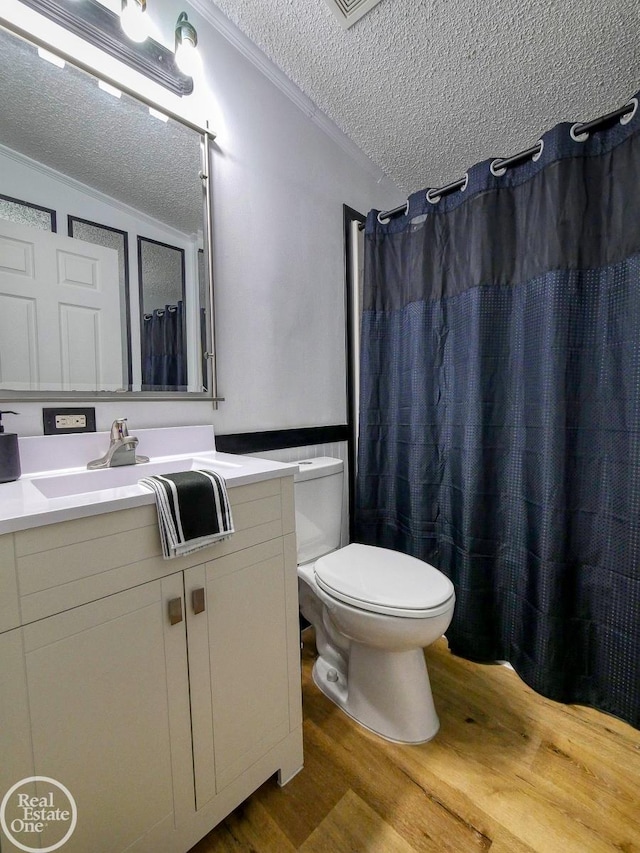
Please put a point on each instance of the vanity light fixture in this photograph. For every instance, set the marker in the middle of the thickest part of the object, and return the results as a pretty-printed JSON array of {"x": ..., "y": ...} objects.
[
  {"x": 133, "y": 19},
  {"x": 187, "y": 58},
  {"x": 102, "y": 28}
]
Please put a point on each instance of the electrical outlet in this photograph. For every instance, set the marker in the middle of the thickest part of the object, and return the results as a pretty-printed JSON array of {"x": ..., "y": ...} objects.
[
  {"x": 70, "y": 421},
  {"x": 62, "y": 421}
]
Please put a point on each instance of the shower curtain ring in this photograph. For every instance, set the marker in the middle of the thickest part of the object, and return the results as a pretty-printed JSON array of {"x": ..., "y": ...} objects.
[
  {"x": 496, "y": 170},
  {"x": 384, "y": 216},
  {"x": 576, "y": 135},
  {"x": 626, "y": 118}
]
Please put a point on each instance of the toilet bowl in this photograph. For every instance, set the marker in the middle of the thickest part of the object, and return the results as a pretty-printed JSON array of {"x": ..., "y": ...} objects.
[{"x": 374, "y": 611}]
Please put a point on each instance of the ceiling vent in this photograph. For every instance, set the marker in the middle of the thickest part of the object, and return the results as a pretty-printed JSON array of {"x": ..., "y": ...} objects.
[{"x": 350, "y": 11}]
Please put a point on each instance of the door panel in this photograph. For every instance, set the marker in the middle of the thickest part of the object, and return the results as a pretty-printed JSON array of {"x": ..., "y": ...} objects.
[
  {"x": 65, "y": 293},
  {"x": 248, "y": 657},
  {"x": 19, "y": 360}
]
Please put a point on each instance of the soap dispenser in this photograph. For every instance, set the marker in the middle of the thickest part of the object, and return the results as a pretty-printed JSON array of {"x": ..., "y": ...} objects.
[{"x": 9, "y": 453}]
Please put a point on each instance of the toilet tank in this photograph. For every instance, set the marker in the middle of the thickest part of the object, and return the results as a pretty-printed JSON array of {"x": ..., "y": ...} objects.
[{"x": 318, "y": 499}]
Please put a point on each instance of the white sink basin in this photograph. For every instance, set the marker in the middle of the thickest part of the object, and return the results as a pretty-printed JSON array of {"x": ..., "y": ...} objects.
[{"x": 80, "y": 482}]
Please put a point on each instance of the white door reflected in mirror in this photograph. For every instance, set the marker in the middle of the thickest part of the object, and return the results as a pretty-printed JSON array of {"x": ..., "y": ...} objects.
[{"x": 69, "y": 287}]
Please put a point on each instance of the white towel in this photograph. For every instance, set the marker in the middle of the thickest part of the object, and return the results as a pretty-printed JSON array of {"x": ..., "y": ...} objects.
[{"x": 193, "y": 510}]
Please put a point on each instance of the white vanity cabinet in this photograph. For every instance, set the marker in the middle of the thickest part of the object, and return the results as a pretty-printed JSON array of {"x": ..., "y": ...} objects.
[
  {"x": 99, "y": 706},
  {"x": 161, "y": 693}
]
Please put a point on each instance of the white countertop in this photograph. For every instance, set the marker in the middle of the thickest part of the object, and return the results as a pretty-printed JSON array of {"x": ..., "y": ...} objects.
[{"x": 23, "y": 505}]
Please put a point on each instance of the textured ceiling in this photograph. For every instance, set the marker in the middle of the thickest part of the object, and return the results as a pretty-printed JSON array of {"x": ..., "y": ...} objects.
[
  {"x": 427, "y": 88},
  {"x": 61, "y": 118}
]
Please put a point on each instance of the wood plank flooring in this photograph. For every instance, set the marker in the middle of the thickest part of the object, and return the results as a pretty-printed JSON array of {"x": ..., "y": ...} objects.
[{"x": 509, "y": 772}]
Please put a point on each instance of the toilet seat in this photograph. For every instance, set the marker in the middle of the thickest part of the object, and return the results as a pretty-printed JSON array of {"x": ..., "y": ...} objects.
[{"x": 383, "y": 581}]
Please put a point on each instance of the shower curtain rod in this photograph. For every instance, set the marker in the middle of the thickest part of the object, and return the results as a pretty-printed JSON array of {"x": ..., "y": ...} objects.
[{"x": 578, "y": 130}]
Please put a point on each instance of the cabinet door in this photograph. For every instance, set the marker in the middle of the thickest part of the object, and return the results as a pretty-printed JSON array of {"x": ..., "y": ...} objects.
[
  {"x": 16, "y": 759},
  {"x": 103, "y": 707},
  {"x": 238, "y": 663}
]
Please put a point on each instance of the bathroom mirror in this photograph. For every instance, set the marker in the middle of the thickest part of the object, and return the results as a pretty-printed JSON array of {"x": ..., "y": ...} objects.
[{"x": 104, "y": 281}]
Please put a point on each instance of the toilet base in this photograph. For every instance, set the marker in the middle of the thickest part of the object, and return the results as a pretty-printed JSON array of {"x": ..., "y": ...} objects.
[{"x": 387, "y": 693}]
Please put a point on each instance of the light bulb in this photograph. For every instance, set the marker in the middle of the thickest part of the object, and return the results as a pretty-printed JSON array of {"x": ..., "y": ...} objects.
[
  {"x": 133, "y": 19},
  {"x": 187, "y": 58}
]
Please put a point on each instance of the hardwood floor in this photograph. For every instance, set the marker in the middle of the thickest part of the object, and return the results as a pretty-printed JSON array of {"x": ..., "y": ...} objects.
[{"x": 509, "y": 772}]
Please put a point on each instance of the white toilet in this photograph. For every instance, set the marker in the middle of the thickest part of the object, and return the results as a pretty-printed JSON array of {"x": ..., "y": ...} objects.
[{"x": 373, "y": 610}]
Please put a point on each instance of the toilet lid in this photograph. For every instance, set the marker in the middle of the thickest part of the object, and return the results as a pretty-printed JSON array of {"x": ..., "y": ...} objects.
[{"x": 384, "y": 581}]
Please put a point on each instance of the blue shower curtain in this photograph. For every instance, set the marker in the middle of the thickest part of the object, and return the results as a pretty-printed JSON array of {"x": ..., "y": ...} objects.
[
  {"x": 164, "y": 361},
  {"x": 500, "y": 410}
]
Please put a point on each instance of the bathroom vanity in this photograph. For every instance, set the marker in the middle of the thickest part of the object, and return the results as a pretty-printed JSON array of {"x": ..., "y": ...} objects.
[{"x": 161, "y": 693}]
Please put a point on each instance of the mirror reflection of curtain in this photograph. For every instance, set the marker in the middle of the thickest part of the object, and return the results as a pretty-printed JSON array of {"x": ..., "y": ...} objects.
[
  {"x": 161, "y": 271},
  {"x": 164, "y": 366}
]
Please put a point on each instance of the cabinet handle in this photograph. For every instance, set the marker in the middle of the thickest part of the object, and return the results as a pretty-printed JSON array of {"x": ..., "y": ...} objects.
[
  {"x": 197, "y": 600},
  {"x": 175, "y": 611}
]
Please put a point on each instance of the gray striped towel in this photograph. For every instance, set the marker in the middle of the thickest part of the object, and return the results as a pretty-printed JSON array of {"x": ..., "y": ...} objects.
[{"x": 193, "y": 510}]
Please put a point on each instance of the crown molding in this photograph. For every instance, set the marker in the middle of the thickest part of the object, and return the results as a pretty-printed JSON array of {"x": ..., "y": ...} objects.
[{"x": 270, "y": 70}]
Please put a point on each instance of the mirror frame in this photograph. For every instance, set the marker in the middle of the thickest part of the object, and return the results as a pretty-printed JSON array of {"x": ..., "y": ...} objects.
[{"x": 206, "y": 138}]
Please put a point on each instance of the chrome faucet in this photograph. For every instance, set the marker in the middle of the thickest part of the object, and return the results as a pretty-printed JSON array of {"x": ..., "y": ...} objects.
[{"x": 122, "y": 448}]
